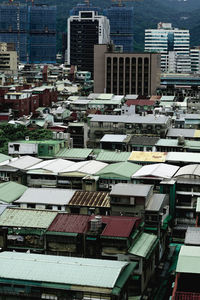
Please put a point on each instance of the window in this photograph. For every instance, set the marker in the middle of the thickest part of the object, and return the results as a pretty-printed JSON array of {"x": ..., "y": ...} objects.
[{"x": 16, "y": 147}]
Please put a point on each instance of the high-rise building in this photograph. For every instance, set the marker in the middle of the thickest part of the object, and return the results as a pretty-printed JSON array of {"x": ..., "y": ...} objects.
[
  {"x": 195, "y": 59},
  {"x": 165, "y": 39},
  {"x": 125, "y": 73},
  {"x": 84, "y": 31},
  {"x": 32, "y": 29},
  {"x": 121, "y": 26}
]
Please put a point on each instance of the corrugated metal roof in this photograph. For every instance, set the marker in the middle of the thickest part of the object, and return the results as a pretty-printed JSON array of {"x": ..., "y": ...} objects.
[
  {"x": 91, "y": 199},
  {"x": 58, "y": 269},
  {"x": 155, "y": 202},
  {"x": 10, "y": 191},
  {"x": 143, "y": 245},
  {"x": 70, "y": 223},
  {"x": 24, "y": 162},
  {"x": 117, "y": 138},
  {"x": 167, "y": 98},
  {"x": 148, "y": 156},
  {"x": 122, "y": 170},
  {"x": 144, "y": 140},
  {"x": 157, "y": 170},
  {"x": 192, "y": 236},
  {"x": 189, "y": 170},
  {"x": 186, "y": 157},
  {"x": 138, "y": 190},
  {"x": 105, "y": 96},
  {"x": 4, "y": 157},
  {"x": 53, "y": 165},
  {"x": 75, "y": 153},
  {"x": 30, "y": 218},
  {"x": 189, "y": 260},
  {"x": 85, "y": 167},
  {"x": 113, "y": 156},
  {"x": 175, "y": 132},
  {"x": 119, "y": 226},
  {"x": 140, "y": 102},
  {"x": 46, "y": 196}
]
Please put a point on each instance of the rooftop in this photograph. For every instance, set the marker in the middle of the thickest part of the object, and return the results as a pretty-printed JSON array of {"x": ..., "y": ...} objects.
[
  {"x": 144, "y": 156},
  {"x": 11, "y": 191},
  {"x": 143, "y": 245},
  {"x": 119, "y": 170},
  {"x": 30, "y": 218},
  {"x": 129, "y": 189},
  {"x": 159, "y": 171},
  {"x": 91, "y": 199},
  {"x": 192, "y": 236},
  {"x": 113, "y": 156},
  {"x": 189, "y": 260},
  {"x": 66, "y": 270},
  {"x": 114, "y": 138},
  {"x": 50, "y": 196}
]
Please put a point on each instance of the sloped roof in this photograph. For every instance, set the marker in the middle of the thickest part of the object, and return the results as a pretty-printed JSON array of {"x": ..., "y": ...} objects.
[
  {"x": 121, "y": 169},
  {"x": 30, "y": 218},
  {"x": 157, "y": 170},
  {"x": 10, "y": 191},
  {"x": 85, "y": 167},
  {"x": 189, "y": 170},
  {"x": 50, "y": 196},
  {"x": 113, "y": 156},
  {"x": 189, "y": 260},
  {"x": 24, "y": 162},
  {"x": 143, "y": 245},
  {"x": 145, "y": 156},
  {"x": 91, "y": 199},
  {"x": 66, "y": 270},
  {"x": 137, "y": 190},
  {"x": 70, "y": 223}
]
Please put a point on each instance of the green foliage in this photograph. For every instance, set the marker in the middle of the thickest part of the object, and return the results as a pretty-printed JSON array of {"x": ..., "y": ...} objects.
[{"x": 9, "y": 133}]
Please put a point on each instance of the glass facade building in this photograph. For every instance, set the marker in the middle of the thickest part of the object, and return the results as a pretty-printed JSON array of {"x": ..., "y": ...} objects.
[
  {"x": 32, "y": 29},
  {"x": 121, "y": 26}
]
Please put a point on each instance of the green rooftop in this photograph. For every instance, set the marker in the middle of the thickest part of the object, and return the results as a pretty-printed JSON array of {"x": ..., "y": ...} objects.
[
  {"x": 11, "y": 191},
  {"x": 113, "y": 156},
  {"x": 121, "y": 170},
  {"x": 143, "y": 245},
  {"x": 74, "y": 153},
  {"x": 4, "y": 157},
  {"x": 29, "y": 218},
  {"x": 50, "y": 142},
  {"x": 174, "y": 143}
]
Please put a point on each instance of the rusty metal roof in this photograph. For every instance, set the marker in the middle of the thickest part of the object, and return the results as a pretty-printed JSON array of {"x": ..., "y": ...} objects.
[
  {"x": 70, "y": 223},
  {"x": 91, "y": 199}
]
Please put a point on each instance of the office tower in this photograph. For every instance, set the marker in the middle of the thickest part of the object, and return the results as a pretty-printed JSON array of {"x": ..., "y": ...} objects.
[
  {"x": 121, "y": 26},
  {"x": 32, "y": 29},
  {"x": 165, "y": 39},
  {"x": 125, "y": 73},
  {"x": 195, "y": 59},
  {"x": 84, "y": 7},
  {"x": 84, "y": 31}
]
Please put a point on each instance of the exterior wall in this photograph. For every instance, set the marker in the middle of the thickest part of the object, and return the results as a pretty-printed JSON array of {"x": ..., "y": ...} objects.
[
  {"x": 126, "y": 73},
  {"x": 22, "y": 148},
  {"x": 8, "y": 61}
]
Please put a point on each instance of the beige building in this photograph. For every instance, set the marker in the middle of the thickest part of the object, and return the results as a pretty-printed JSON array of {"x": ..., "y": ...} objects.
[
  {"x": 8, "y": 59},
  {"x": 125, "y": 73}
]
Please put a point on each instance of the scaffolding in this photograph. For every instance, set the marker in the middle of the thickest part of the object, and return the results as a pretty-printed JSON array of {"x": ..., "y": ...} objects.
[
  {"x": 32, "y": 29},
  {"x": 121, "y": 26}
]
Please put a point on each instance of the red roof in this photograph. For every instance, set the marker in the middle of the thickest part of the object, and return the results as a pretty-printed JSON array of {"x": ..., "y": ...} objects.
[
  {"x": 140, "y": 102},
  {"x": 119, "y": 226},
  {"x": 70, "y": 223}
]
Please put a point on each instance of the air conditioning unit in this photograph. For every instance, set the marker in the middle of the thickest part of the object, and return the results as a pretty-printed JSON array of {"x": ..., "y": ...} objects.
[{"x": 6, "y": 178}]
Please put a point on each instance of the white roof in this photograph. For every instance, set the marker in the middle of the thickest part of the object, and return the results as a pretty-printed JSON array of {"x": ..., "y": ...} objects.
[
  {"x": 189, "y": 170},
  {"x": 46, "y": 196},
  {"x": 53, "y": 165},
  {"x": 167, "y": 98},
  {"x": 118, "y": 138},
  {"x": 24, "y": 162},
  {"x": 189, "y": 157},
  {"x": 157, "y": 170},
  {"x": 87, "y": 167}
]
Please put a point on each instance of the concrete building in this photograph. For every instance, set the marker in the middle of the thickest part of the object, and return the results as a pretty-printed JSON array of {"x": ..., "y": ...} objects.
[
  {"x": 166, "y": 38},
  {"x": 195, "y": 59},
  {"x": 8, "y": 59},
  {"x": 84, "y": 31},
  {"x": 125, "y": 73}
]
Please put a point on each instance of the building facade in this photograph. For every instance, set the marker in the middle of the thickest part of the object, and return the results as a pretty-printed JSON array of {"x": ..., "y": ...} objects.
[
  {"x": 125, "y": 73},
  {"x": 165, "y": 39},
  {"x": 84, "y": 31},
  {"x": 121, "y": 26},
  {"x": 32, "y": 29}
]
